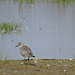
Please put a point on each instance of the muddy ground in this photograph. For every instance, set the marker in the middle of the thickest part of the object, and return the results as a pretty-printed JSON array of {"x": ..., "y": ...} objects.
[{"x": 37, "y": 67}]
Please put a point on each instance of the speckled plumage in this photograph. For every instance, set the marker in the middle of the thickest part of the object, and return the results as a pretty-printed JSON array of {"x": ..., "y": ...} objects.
[{"x": 25, "y": 50}]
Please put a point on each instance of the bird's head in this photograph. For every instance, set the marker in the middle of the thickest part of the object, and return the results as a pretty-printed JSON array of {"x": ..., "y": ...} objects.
[{"x": 20, "y": 44}]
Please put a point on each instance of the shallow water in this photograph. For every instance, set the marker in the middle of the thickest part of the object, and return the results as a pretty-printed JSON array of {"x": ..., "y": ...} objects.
[{"x": 47, "y": 28}]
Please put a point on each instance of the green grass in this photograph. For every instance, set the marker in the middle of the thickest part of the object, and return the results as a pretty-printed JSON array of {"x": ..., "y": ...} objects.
[
  {"x": 64, "y": 2},
  {"x": 22, "y": 1},
  {"x": 58, "y": 2},
  {"x": 8, "y": 27}
]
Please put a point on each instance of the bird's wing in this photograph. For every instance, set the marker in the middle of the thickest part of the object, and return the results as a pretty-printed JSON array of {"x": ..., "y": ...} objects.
[{"x": 27, "y": 50}]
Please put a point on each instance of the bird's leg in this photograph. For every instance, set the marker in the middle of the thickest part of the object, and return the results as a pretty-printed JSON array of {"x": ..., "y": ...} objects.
[{"x": 28, "y": 60}]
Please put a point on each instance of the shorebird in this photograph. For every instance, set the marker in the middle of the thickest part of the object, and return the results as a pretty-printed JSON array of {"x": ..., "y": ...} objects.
[{"x": 25, "y": 51}]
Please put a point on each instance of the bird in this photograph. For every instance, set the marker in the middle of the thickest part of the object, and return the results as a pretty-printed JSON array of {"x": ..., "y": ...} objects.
[{"x": 25, "y": 51}]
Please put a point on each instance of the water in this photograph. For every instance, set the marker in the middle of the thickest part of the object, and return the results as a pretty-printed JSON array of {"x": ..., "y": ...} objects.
[{"x": 48, "y": 29}]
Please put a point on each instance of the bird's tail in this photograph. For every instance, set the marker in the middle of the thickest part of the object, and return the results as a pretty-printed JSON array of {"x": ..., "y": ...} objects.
[{"x": 33, "y": 56}]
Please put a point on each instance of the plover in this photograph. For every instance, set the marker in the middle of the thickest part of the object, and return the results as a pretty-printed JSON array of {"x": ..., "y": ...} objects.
[{"x": 25, "y": 50}]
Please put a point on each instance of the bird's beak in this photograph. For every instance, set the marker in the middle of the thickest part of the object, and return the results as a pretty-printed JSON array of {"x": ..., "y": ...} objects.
[{"x": 16, "y": 46}]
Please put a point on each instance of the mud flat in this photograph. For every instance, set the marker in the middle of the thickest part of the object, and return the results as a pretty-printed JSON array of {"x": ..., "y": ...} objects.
[{"x": 38, "y": 67}]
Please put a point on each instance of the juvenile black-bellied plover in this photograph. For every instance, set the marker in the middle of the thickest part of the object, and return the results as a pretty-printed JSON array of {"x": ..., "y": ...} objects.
[{"x": 25, "y": 50}]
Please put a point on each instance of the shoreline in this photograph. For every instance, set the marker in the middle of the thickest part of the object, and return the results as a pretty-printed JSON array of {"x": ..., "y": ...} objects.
[{"x": 38, "y": 67}]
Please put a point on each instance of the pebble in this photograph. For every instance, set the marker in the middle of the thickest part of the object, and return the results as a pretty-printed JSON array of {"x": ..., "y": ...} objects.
[
  {"x": 48, "y": 65},
  {"x": 59, "y": 61},
  {"x": 71, "y": 59},
  {"x": 22, "y": 63},
  {"x": 35, "y": 61},
  {"x": 16, "y": 71},
  {"x": 65, "y": 65},
  {"x": 64, "y": 70}
]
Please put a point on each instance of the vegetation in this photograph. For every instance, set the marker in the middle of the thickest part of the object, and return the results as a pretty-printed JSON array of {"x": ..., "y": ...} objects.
[
  {"x": 64, "y": 2},
  {"x": 21, "y": 1},
  {"x": 32, "y": 1},
  {"x": 7, "y": 27}
]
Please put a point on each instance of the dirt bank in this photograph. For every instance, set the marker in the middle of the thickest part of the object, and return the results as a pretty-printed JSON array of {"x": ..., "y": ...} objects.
[{"x": 37, "y": 67}]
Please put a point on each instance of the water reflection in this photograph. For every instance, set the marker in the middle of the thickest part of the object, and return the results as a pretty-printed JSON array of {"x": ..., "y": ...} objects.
[{"x": 47, "y": 28}]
